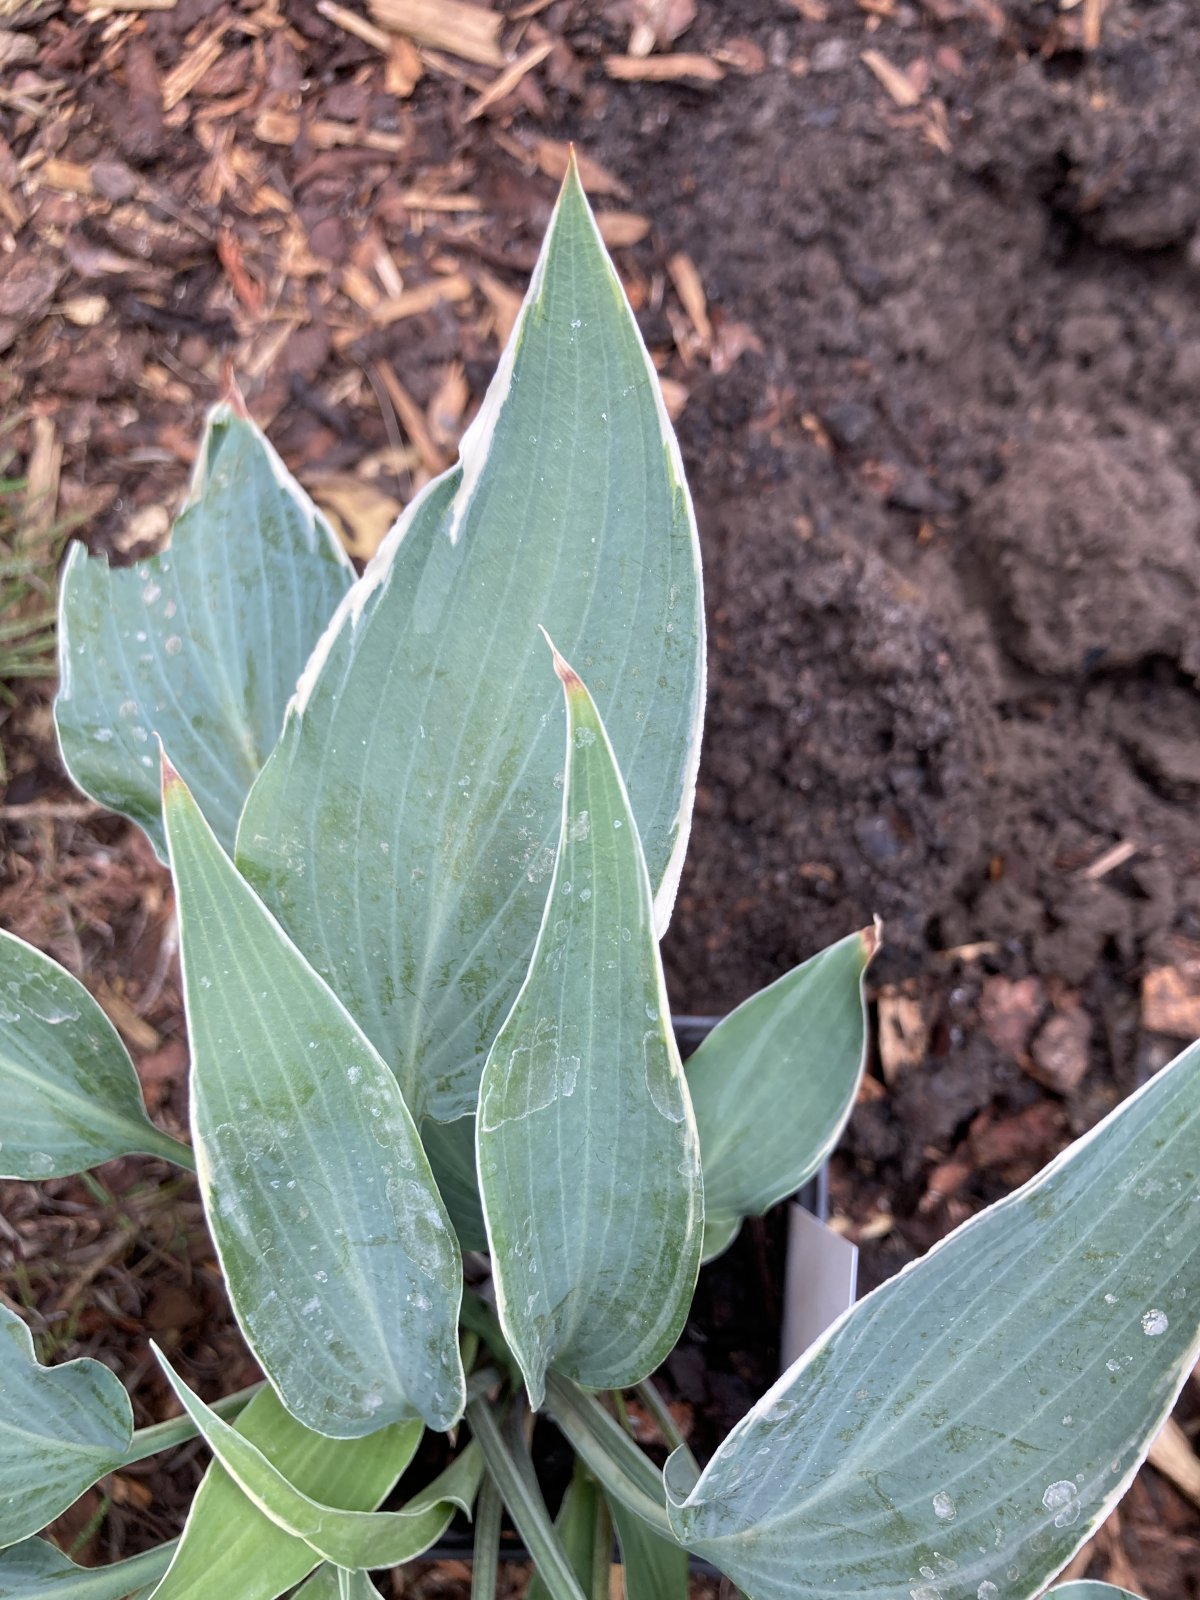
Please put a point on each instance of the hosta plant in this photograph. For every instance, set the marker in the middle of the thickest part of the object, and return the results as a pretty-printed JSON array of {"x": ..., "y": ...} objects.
[{"x": 425, "y": 828}]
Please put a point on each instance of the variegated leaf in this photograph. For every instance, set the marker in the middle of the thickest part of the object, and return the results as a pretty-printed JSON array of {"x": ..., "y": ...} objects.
[
  {"x": 202, "y": 644},
  {"x": 588, "y": 1158},
  {"x": 340, "y": 1260},
  {"x": 61, "y": 1428},
  {"x": 966, "y": 1427},
  {"x": 774, "y": 1083},
  {"x": 69, "y": 1097},
  {"x": 38, "y": 1570},
  {"x": 404, "y": 829},
  {"x": 350, "y": 1539},
  {"x": 230, "y": 1547},
  {"x": 1089, "y": 1591}
]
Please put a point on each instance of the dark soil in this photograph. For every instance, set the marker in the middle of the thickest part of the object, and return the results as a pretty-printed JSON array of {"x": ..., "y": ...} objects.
[{"x": 943, "y": 453}]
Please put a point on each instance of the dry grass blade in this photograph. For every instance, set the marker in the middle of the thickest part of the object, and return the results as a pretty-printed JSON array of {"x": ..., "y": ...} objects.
[
  {"x": 472, "y": 32},
  {"x": 412, "y": 419}
]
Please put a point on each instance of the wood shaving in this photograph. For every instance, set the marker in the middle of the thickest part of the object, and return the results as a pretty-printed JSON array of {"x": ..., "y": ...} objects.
[
  {"x": 691, "y": 296},
  {"x": 469, "y": 31},
  {"x": 896, "y": 82},
  {"x": 664, "y": 69},
  {"x": 508, "y": 80},
  {"x": 619, "y": 229}
]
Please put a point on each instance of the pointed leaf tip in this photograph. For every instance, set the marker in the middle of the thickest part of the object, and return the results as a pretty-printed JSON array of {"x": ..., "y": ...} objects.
[
  {"x": 572, "y": 180},
  {"x": 872, "y": 939},
  {"x": 567, "y": 676},
  {"x": 556, "y": 1079},
  {"x": 170, "y": 776},
  {"x": 232, "y": 395},
  {"x": 599, "y": 495}
]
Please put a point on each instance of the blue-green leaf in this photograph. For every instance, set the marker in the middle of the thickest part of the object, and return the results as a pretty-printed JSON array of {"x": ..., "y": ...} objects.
[
  {"x": 774, "y": 1083},
  {"x": 61, "y": 1428},
  {"x": 967, "y": 1426},
  {"x": 69, "y": 1097},
  {"x": 38, "y": 1570},
  {"x": 404, "y": 829},
  {"x": 588, "y": 1159},
  {"x": 231, "y": 1548},
  {"x": 579, "y": 1523},
  {"x": 350, "y": 1539},
  {"x": 624, "y": 1473},
  {"x": 336, "y": 1583},
  {"x": 655, "y": 1568},
  {"x": 202, "y": 644},
  {"x": 506, "y": 1452},
  {"x": 340, "y": 1260}
]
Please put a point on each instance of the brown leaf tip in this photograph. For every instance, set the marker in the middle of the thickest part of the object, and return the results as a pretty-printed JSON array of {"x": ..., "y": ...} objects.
[
  {"x": 567, "y": 676},
  {"x": 170, "y": 777},
  {"x": 872, "y": 938},
  {"x": 232, "y": 395}
]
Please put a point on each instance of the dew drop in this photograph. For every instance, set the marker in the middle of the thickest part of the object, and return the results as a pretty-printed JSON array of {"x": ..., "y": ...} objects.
[
  {"x": 943, "y": 1506},
  {"x": 1061, "y": 1498},
  {"x": 1154, "y": 1322}
]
